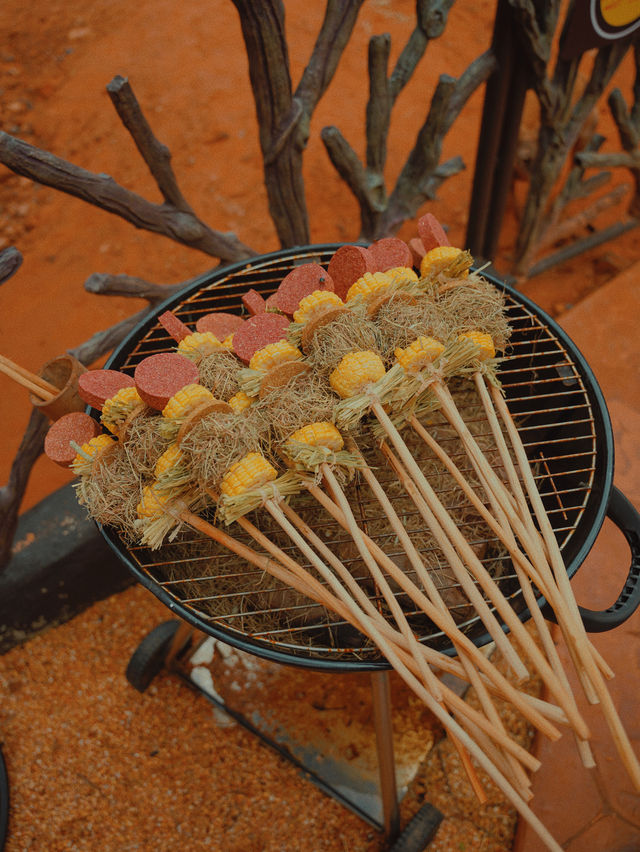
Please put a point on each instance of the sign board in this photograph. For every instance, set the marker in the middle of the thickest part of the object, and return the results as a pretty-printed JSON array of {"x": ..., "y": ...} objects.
[{"x": 594, "y": 23}]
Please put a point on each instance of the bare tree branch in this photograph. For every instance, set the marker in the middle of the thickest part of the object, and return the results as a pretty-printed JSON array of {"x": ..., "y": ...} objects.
[
  {"x": 11, "y": 494},
  {"x": 348, "y": 165},
  {"x": 103, "y": 284},
  {"x": 339, "y": 20},
  {"x": 10, "y": 262},
  {"x": 156, "y": 155},
  {"x": 378, "y": 106},
  {"x": 431, "y": 22},
  {"x": 562, "y": 120},
  {"x": 32, "y": 444},
  {"x": 102, "y": 191},
  {"x": 415, "y": 183},
  {"x": 284, "y": 119},
  {"x": 380, "y": 215}
]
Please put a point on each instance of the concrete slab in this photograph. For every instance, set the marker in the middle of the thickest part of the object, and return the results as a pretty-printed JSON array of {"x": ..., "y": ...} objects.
[{"x": 597, "y": 810}]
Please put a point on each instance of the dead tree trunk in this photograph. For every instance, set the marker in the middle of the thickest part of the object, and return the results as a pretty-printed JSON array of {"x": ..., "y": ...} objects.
[{"x": 562, "y": 115}]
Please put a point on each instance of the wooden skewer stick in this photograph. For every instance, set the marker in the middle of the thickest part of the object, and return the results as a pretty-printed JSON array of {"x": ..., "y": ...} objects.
[
  {"x": 502, "y": 605},
  {"x": 416, "y": 562},
  {"x": 428, "y": 677},
  {"x": 38, "y": 387},
  {"x": 614, "y": 722},
  {"x": 504, "y": 687},
  {"x": 546, "y": 639},
  {"x": 570, "y": 628},
  {"x": 495, "y": 488},
  {"x": 374, "y": 633},
  {"x": 393, "y": 657},
  {"x": 441, "y": 525},
  {"x": 438, "y": 660}
]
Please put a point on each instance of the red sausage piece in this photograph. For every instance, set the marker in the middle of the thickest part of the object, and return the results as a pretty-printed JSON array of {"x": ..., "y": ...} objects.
[
  {"x": 253, "y": 302},
  {"x": 158, "y": 377},
  {"x": 417, "y": 250},
  {"x": 347, "y": 265},
  {"x": 258, "y": 332},
  {"x": 431, "y": 232},
  {"x": 301, "y": 282},
  {"x": 97, "y": 386},
  {"x": 176, "y": 328},
  {"x": 219, "y": 324},
  {"x": 272, "y": 302},
  {"x": 389, "y": 253},
  {"x": 75, "y": 426}
]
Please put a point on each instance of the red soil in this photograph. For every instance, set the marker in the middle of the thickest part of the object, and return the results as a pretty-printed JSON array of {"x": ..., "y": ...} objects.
[{"x": 188, "y": 69}]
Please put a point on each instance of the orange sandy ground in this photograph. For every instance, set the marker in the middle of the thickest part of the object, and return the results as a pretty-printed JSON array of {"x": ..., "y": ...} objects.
[{"x": 187, "y": 66}]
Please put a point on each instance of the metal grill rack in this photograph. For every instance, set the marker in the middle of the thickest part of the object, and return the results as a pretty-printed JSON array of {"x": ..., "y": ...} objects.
[{"x": 544, "y": 381}]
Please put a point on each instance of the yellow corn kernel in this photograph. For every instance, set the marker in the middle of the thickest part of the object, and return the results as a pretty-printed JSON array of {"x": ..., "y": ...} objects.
[
  {"x": 240, "y": 401},
  {"x": 401, "y": 273},
  {"x": 153, "y": 502},
  {"x": 252, "y": 471},
  {"x": 483, "y": 341},
  {"x": 321, "y": 434},
  {"x": 201, "y": 342},
  {"x": 227, "y": 343},
  {"x": 94, "y": 448},
  {"x": 273, "y": 355},
  {"x": 185, "y": 400},
  {"x": 119, "y": 405},
  {"x": 355, "y": 372},
  {"x": 316, "y": 303},
  {"x": 370, "y": 283},
  {"x": 419, "y": 354},
  {"x": 438, "y": 259},
  {"x": 168, "y": 460}
]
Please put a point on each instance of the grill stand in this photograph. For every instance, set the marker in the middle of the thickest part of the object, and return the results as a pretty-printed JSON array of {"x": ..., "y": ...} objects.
[{"x": 174, "y": 645}]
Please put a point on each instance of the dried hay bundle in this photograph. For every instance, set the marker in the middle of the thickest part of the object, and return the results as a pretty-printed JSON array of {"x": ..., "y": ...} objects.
[
  {"x": 219, "y": 374},
  {"x": 217, "y": 440},
  {"x": 112, "y": 491}
]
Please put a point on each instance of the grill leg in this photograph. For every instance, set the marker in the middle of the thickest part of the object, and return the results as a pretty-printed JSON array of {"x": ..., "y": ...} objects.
[
  {"x": 182, "y": 636},
  {"x": 381, "y": 694}
]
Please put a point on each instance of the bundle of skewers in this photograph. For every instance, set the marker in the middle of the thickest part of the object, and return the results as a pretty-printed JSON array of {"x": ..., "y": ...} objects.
[{"x": 339, "y": 374}]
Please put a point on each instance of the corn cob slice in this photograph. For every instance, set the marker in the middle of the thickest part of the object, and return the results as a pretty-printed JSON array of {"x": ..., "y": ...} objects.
[
  {"x": 370, "y": 283},
  {"x": 116, "y": 409},
  {"x": 483, "y": 341},
  {"x": 273, "y": 355},
  {"x": 317, "y": 444},
  {"x": 186, "y": 400},
  {"x": 251, "y": 472},
  {"x": 355, "y": 372},
  {"x": 153, "y": 502},
  {"x": 171, "y": 471},
  {"x": 170, "y": 459},
  {"x": 447, "y": 259},
  {"x": 199, "y": 344},
  {"x": 316, "y": 304},
  {"x": 240, "y": 402},
  {"x": 321, "y": 434},
  {"x": 183, "y": 407},
  {"x": 419, "y": 354},
  {"x": 89, "y": 453},
  {"x": 401, "y": 273}
]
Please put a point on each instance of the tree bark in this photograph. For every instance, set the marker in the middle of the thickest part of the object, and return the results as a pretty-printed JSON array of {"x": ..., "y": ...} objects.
[{"x": 102, "y": 191}]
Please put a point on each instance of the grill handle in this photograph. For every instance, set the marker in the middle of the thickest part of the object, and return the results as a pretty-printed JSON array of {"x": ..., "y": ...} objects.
[{"x": 627, "y": 519}]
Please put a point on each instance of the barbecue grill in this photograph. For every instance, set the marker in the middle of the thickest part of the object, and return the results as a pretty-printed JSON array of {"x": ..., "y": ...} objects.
[{"x": 561, "y": 415}]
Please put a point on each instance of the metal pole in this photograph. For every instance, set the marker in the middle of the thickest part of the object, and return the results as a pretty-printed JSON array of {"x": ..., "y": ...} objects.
[{"x": 381, "y": 694}]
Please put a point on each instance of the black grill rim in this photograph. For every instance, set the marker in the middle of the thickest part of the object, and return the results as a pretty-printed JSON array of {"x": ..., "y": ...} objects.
[{"x": 587, "y": 528}]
